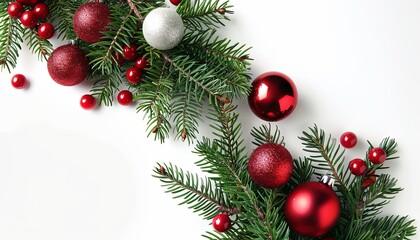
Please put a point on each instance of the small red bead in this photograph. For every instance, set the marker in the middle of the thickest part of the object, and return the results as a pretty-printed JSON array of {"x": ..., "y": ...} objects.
[
  {"x": 348, "y": 140},
  {"x": 87, "y": 102},
  {"x": 46, "y": 30},
  {"x": 176, "y": 2},
  {"x": 221, "y": 222},
  {"x": 133, "y": 75},
  {"x": 118, "y": 58},
  {"x": 15, "y": 10},
  {"x": 41, "y": 10},
  {"x": 125, "y": 97},
  {"x": 357, "y": 166},
  {"x": 377, "y": 155},
  {"x": 28, "y": 19},
  {"x": 19, "y": 81},
  {"x": 141, "y": 63},
  {"x": 130, "y": 52},
  {"x": 368, "y": 181}
]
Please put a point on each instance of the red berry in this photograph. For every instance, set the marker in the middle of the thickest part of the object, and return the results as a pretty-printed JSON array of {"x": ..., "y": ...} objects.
[
  {"x": 130, "y": 52},
  {"x": 125, "y": 97},
  {"x": 28, "y": 19},
  {"x": 15, "y": 10},
  {"x": 19, "y": 81},
  {"x": 32, "y": 2},
  {"x": 357, "y": 166},
  {"x": 87, "y": 102},
  {"x": 368, "y": 181},
  {"x": 41, "y": 10},
  {"x": 133, "y": 75},
  {"x": 348, "y": 140},
  {"x": 377, "y": 155},
  {"x": 46, "y": 30},
  {"x": 141, "y": 63},
  {"x": 25, "y": 2},
  {"x": 221, "y": 222},
  {"x": 176, "y": 2},
  {"x": 118, "y": 58}
]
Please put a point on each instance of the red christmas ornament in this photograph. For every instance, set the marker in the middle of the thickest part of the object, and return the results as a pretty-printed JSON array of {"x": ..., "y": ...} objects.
[
  {"x": 133, "y": 75},
  {"x": 68, "y": 65},
  {"x": 348, "y": 140},
  {"x": 41, "y": 10},
  {"x": 377, "y": 155},
  {"x": 130, "y": 52},
  {"x": 90, "y": 20},
  {"x": 270, "y": 165},
  {"x": 28, "y": 19},
  {"x": 24, "y": 2},
  {"x": 357, "y": 166},
  {"x": 19, "y": 81},
  {"x": 87, "y": 102},
  {"x": 141, "y": 63},
  {"x": 273, "y": 96},
  {"x": 176, "y": 2},
  {"x": 46, "y": 30},
  {"x": 15, "y": 9},
  {"x": 125, "y": 97},
  {"x": 312, "y": 209},
  {"x": 371, "y": 179},
  {"x": 222, "y": 222},
  {"x": 33, "y": 2}
]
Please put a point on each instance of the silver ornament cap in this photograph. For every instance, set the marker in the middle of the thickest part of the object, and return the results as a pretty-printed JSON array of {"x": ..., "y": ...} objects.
[{"x": 163, "y": 28}]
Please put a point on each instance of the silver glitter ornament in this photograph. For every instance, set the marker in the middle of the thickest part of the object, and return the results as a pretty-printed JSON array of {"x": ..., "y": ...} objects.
[{"x": 163, "y": 28}]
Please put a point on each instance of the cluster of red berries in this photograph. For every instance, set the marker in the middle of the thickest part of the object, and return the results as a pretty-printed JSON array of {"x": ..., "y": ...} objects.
[
  {"x": 30, "y": 13},
  {"x": 358, "y": 166}
]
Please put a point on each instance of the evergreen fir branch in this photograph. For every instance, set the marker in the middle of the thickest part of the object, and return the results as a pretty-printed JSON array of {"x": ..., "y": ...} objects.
[
  {"x": 201, "y": 14},
  {"x": 264, "y": 134},
  {"x": 61, "y": 12},
  {"x": 302, "y": 172},
  {"x": 202, "y": 195},
  {"x": 389, "y": 145},
  {"x": 10, "y": 39},
  {"x": 135, "y": 10},
  {"x": 105, "y": 86},
  {"x": 41, "y": 47}
]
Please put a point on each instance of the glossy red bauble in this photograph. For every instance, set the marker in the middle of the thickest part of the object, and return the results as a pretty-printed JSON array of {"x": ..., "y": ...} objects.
[
  {"x": 46, "y": 30},
  {"x": 270, "y": 165},
  {"x": 130, "y": 52},
  {"x": 68, "y": 65},
  {"x": 348, "y": 139},
  {"x": 273, "y": 96},
  {"x": 90, "y": 20},
  {"x": 141, "y": 63},
  {"x": 312, "y": 209},
  {"x": 41, "y": 10},
  {"x": 176, "y": 2},
  {"x": 357, "y": 166},
  {"x": 133, "y": 75},
  {"x": 377, "y": 155},
  {"x": 125, "y": 97},
  {"x": 28, "y": 19},
  {"x": 87, "y": 102},
  {"x": 19, "y": 81},
  {"x": 15, "y": 9},
  {"x": 221, "y": 222}
]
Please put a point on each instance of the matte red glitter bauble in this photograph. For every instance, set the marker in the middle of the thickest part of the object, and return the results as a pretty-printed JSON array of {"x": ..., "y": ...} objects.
[
  {"x": 312, "y": 209},
  {"x": 68, "y": 65},
  {"x": 270, "y": 165},
  {"x": 273, "y": 96},
  {"x": 90, "y": 20}
]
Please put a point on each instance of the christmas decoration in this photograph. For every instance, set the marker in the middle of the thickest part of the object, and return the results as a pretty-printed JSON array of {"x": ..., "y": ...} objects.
[
  {"x": 377, "y": 155},
  {"x": 163, "y": 28},
  {"x": 90, "y": 20},
  {"x": 270, "y": 165},
  {"x": 357, "y": 166},
  {"x": 87, "y": 102},
  {"x": 141, "y": 63},
  {"x": 130, "y": 52},
  {"x": 312, "y": 209},
  {"x": 348, "y": 139},
  {"x": 28, "y": 19},
  {"x": 221, "y": 222},
  {"x": 46, "y": 30},
  {"x": 125, "y": 97},
  {"x": 19, "y": 81},
  {"x": 273, "y": 96},
  {"x": 68, "y": 65},
  {"x": 133, "y": 75},
  {"x": 15, "y": 10},
  {"x": 176, "y": 2},
  {"x": 41, "y": 10}
]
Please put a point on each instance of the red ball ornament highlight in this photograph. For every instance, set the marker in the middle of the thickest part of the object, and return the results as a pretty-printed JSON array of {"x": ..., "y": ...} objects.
[
  {"x": 312, "y": 209},
  {"x": 19, "y": 81},
  {"x": 221, "y": 222},
  {"x": 46, "y": 30},
  {"x": 15, "y": 9},
  {"x": 133, "y": 75},
  {"x": 377, "y": 155},
  {"x": 90, "y": 20},
  {"x": 348, "y": 139},
  {"x": 125, "y": 97},
  {"x": 141, "y": 63},
  {"x": 41, "y": 10},
  {"x": 28, "y": 19},
  {"x": 357, "y": 166},
  {"x": 273, "y": 96},
  {"x": 270, "y": 165},
  {"x": 87, "y": 102},
  {"x": 130, "y": 52},
  {"x": 68, "y": 65}
]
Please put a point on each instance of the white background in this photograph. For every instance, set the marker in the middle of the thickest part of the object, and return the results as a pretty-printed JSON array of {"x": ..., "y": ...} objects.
[{"x": 66, "y": 173}]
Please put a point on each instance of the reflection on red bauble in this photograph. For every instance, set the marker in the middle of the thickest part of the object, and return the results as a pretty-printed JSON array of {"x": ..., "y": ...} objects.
[
  {"x": 273, "y": 96},
  {"x": 90, "y": 20},
  {"x": 312, "y": 209}
]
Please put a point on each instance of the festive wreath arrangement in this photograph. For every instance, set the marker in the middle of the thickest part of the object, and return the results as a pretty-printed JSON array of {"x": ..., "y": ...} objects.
[{"x": 172, "y": 62}]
